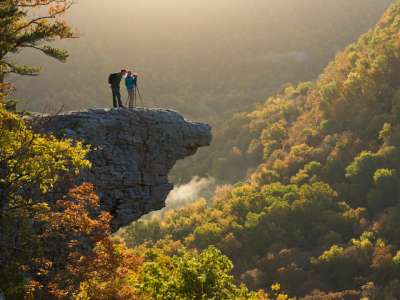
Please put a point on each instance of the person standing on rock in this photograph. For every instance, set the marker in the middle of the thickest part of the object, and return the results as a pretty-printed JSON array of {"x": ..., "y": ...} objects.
[
  {"x": 114, "y": 80},
  {"x": 130, "y": 83}
]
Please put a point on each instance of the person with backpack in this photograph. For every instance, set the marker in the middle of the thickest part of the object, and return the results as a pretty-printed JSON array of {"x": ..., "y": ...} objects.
[
  {"x": 114, "y": 80},
  {"x": 130, "y": 83}
]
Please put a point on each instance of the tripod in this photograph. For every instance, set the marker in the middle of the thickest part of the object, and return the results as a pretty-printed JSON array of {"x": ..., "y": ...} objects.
[
  {"x": 140, "y": 96},
  {"x": 135, "y": 89}
]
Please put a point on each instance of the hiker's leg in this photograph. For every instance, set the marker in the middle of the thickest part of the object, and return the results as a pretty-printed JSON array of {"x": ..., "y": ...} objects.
[
  {"x": 118, "y": 94},
  {"x": 130, "y": 93},
  {"x": 114, "y": 96},
  {"x": 134, "y": 96}
]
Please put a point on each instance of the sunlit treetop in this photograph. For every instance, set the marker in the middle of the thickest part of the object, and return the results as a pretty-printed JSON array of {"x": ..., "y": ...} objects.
[{"x": 31, "y": 24}]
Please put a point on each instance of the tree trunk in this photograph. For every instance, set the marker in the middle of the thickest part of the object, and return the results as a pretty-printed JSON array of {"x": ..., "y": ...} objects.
[
  {"x": 1, "y": 85},
  {"x": 2, "y": 297}
]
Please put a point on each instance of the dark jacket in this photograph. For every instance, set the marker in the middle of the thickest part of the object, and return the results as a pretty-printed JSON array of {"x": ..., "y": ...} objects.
[{"x": 115, "y": 79}]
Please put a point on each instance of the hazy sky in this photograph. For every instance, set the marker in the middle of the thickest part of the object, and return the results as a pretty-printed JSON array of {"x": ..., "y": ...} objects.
[{"x": 199, "y": 50}]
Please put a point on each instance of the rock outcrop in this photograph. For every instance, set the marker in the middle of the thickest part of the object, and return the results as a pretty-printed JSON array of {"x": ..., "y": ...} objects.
[{"x": 133, "y": 151}]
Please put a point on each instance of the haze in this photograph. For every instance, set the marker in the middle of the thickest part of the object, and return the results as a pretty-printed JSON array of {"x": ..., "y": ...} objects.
[{"x": 221, "y": 55}]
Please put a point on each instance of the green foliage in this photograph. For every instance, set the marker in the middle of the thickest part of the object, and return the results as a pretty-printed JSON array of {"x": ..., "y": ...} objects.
[
  {"x": 32, "y": 161},
  {"x": 330, "y": 121},
  {"x": 207, "y": 234},
  {"x": 190, "y": 276},
  {"x": 321, "y": 209},
  {"x": 250, "y": 220},
  {"x": 30, "y": 166},
  {"x": 385, "y": 192}
]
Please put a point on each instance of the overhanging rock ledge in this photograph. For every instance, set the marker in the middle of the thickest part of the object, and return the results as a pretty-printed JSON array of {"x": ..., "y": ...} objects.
[{"x": 133, "y": 151}]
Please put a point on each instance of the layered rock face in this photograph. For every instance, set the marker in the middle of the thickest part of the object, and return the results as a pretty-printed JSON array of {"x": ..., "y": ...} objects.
[{"x": 132, "y": 152}]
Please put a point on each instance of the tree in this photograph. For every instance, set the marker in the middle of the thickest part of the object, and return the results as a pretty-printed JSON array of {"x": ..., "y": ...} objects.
[
  {"x": 31, "y": 24},
  {"x": 66, "y": 235},
  {"x": 385, "y": 192},
  {"x": 31, "y": 165},
  {"x": 190, "y": 275}
]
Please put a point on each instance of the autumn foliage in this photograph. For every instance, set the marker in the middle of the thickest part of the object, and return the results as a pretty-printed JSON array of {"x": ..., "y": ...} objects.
[
  {"x": 318, "y": 216},
  {"x": 319, "y": 208}
]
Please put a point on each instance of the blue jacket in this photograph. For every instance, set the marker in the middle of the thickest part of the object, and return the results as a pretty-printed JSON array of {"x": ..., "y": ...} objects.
[{"x": 130, "y": 82}]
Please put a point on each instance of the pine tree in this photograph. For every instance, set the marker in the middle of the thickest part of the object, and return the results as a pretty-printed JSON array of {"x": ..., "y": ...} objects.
[{"x": 31, "y": 24}]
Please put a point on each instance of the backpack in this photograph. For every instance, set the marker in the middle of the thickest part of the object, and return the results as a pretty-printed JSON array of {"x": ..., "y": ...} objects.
[{"x": 110, "y": 78}]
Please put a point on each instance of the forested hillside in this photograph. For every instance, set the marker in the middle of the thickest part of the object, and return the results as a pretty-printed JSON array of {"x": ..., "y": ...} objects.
[
  {"x": 205, "y": 59},
  {"x": 319, "y": 213},
  {"x": 55, "y": 240},
  {"x": 60, "y": 246},
  {"x": 237, "y": 148},
  {"x": 316, "y": 217}
]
